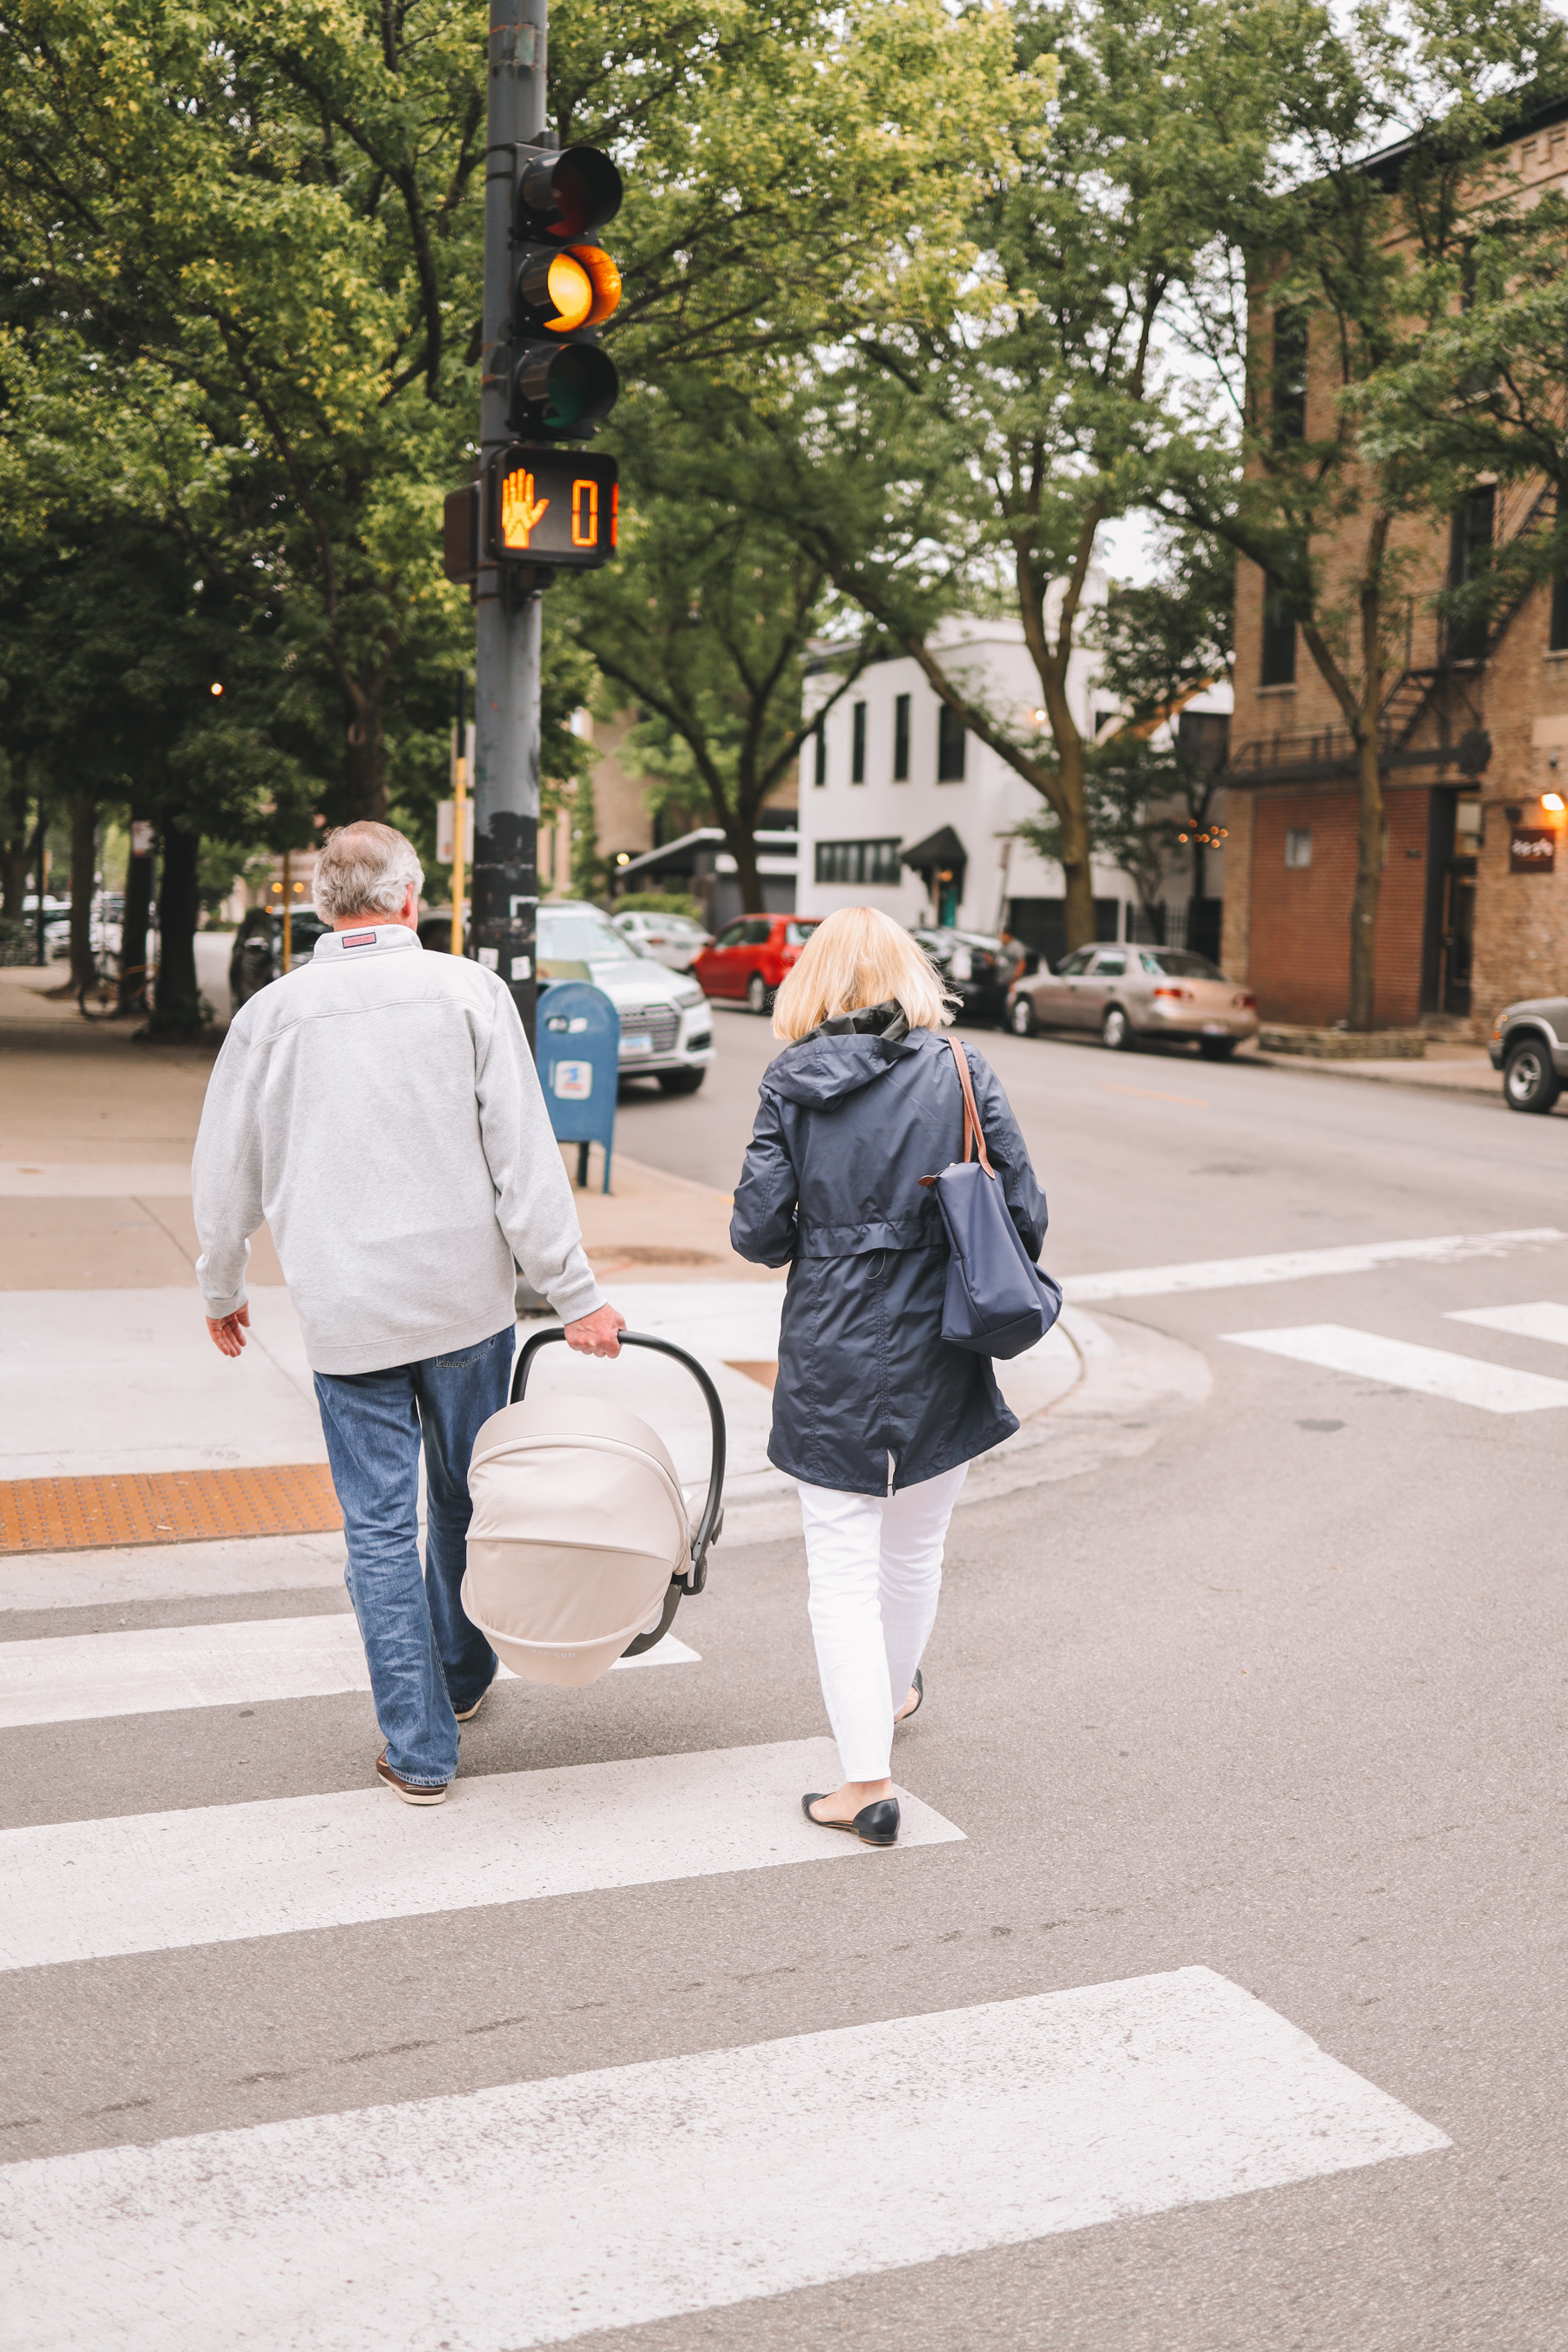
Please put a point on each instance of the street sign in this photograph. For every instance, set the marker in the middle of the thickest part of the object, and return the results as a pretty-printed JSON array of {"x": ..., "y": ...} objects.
[
  {"x": 554, "y": 507},
  {"x": 447, "y": 832},
  {"x": 1531, "y": 849}
]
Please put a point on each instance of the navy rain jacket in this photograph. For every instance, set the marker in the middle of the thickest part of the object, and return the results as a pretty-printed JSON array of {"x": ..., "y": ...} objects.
[{"x": 870, "y": 1397}]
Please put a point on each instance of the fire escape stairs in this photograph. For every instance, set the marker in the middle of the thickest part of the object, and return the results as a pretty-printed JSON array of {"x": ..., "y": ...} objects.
[{"x": 1414, "y": 691}]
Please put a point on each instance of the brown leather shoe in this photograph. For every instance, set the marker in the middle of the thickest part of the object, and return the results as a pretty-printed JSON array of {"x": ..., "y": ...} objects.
[{"x": 410, "y": 1791}]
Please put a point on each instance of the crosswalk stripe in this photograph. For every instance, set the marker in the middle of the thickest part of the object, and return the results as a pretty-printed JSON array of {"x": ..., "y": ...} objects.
[
  {"x": 75, "y": 1677},
  {"x": 1461, "y": 1380},
  {"x": 214, "y": 1874},
  {"x": 1543, "y": 1318},
  {"x": 1298, "y": 1266},
  {"x": 543, "y": 2210}
]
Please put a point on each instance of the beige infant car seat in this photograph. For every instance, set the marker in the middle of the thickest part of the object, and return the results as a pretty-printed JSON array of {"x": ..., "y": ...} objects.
[{"x": 580, "y": 1547}]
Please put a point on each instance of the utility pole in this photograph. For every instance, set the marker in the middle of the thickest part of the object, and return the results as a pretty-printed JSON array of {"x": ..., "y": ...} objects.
[{"x": 505, "y": 884}]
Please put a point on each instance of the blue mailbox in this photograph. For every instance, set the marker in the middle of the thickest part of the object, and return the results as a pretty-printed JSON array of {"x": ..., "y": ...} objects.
[{"x": 579, "y": 1059}]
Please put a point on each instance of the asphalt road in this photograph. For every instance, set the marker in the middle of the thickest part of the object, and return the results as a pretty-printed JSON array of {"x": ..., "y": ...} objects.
[{"x": 1282, "y": 1698}]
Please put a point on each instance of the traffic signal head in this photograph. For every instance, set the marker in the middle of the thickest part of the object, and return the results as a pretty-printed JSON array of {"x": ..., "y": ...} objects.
[
  {"x": 565, "y": 195},
  {"x": 563, "y": 286}
]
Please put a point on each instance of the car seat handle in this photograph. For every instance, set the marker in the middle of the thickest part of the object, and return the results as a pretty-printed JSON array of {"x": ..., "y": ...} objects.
[{"x": 713, "y": 1518}]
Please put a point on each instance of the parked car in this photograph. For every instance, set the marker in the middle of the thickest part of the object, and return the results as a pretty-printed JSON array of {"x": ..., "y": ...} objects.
[
  {"x": 257, "y": 955},
  {"x": 673, "y": 939},
  {"x": 977, "y": 968},
  {"x": 1131, "y": 995},
  {"x": 1529, "y": 1045},
  {"x": 749, "y": 958},
  {"x": 666, "y": 1030}
]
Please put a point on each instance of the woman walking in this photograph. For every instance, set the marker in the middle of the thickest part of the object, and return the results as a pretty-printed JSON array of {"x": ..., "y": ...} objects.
[{"x": 875, "y": 1415}]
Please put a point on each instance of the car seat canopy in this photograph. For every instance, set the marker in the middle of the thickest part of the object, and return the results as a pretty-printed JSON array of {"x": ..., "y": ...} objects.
[{"x": 578, "y": 1526}]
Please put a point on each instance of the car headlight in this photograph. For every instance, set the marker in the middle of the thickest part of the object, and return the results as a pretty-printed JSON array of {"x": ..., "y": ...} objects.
[{"x": 689, "y": 994}]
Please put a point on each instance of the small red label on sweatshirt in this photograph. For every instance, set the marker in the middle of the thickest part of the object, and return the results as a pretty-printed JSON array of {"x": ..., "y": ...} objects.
[{"x": 358, "y": 938}]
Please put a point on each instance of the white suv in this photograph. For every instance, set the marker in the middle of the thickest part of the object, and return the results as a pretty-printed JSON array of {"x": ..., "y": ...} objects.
[
  {"x": 667, "y": 1029},
  {"x": 672, "y": 940}
]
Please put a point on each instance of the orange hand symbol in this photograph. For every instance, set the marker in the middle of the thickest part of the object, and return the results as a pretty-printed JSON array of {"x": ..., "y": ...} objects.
[{"x": 519, "y": 509}]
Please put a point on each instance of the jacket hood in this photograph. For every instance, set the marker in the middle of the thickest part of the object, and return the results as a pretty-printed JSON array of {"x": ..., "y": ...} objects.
[{"x": 851, "y": 1051}]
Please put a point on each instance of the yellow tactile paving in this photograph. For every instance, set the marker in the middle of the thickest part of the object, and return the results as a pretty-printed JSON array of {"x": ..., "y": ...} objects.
[{"x": 165, "y": 1507}]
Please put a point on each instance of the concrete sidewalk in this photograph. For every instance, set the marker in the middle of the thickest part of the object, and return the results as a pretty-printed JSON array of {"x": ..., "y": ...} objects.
[{"x": 106, "y": 1368}]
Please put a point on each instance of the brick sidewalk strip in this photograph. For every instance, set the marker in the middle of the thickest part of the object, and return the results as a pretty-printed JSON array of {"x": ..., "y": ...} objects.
[{"x": 165, "y": 1507}]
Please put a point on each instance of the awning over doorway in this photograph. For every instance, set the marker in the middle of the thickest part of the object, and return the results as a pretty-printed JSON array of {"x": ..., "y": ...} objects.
[{"x": 940, "y": 852}]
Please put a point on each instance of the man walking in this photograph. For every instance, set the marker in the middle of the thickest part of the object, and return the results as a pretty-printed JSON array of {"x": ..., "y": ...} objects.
[{"x": 380, "y": 1108}]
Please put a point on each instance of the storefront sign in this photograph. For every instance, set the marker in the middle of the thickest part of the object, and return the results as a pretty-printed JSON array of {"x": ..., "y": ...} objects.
[{"x": 1531, "y": 849}]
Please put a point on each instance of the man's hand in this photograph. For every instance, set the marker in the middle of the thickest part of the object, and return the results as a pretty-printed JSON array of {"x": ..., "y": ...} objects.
[
  {"x": 228, "y": 1331},
  {"x": 591, "y": 1334}
]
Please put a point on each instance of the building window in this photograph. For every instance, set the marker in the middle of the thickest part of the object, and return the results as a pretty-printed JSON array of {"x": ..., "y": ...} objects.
[
  {"x": 1288, "y": 397},
  {"x": 1299, "y": 845},
  {"x": 857, "y": 861},
  {"x": 949, "y": 746},
  {"x": 1558, "y": 639},
  {"x": 819, "y": 765},
  {"x": 857, "y": 744},
  {"x": 901, "y": 738},
  {"x": 1278, "y": 636},
  {"x": 1470, "y": 553}
]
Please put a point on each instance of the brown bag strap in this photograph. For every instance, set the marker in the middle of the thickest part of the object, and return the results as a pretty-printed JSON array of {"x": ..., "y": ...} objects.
[{"x": 973, "y": 1133}]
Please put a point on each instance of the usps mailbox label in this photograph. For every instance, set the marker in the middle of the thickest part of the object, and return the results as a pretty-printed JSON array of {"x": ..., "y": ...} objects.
[{"x": 572, "y": 1081}]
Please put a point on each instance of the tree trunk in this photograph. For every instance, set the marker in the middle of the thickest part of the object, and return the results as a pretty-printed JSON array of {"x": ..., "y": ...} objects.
[
  {"x": 84, "y": 858},
  {"x": 1368, "y": 882},
  {"x": 364, "y": 769},
  {"x": 1072, "y": 813},
  {"x": 1369, "y": 777},
  {"x": 177, "y": 1011},
  {"x": 14, "y": 851},
  {"x": 744, "y": 850},
  {"x": 133, "y": 934}
]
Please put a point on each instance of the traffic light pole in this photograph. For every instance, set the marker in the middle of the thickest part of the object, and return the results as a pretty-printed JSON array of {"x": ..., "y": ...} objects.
[{"x": 507, "y": 684}]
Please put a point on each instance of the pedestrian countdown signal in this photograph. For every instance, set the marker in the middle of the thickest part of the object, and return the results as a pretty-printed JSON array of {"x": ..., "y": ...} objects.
[{"x": 554, "y": 507}]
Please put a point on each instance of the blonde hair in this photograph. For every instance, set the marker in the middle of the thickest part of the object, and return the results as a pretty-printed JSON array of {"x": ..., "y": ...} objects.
[{"x": 859, "y": 957}]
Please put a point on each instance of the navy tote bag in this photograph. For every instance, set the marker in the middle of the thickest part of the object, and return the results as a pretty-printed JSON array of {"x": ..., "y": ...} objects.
[{"x": 998, "y": 1302}]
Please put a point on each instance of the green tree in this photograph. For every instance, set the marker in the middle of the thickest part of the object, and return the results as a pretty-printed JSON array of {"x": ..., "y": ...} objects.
[
  {"x": 705, "y": 623},
  {"x": 984, "y": 447}
]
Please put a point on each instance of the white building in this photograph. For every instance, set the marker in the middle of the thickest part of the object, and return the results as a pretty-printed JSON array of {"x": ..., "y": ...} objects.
[{"x": 892, "y": 771}]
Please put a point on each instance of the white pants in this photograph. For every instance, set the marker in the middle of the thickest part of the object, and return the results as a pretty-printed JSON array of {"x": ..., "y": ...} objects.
[{"x": 876, "y": 1572}]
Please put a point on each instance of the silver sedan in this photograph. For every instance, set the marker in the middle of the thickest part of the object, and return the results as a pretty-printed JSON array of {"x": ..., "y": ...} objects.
[{"x": 1130, "y": 995}]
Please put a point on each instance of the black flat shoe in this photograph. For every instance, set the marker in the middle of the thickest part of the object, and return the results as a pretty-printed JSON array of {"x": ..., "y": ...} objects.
[
  {"x": 875, "y": 1824},
  {"x": 919, "y": 1688}
]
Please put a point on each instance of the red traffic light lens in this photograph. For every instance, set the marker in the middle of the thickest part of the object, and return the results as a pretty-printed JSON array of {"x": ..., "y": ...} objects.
[{"x": 571, "y": 193}]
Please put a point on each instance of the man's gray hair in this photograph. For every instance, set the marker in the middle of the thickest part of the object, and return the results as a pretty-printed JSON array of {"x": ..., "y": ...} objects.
[{"x": 365, "y": 869}]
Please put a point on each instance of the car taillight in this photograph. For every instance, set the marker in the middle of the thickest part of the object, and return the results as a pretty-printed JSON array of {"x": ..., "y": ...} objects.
[
  {"x": 1177, "y": 995},
  {"x": 1246, "y": 1004}
]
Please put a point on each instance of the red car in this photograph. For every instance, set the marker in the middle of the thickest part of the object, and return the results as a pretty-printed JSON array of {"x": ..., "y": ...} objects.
[{"x": 750, "y": 957}]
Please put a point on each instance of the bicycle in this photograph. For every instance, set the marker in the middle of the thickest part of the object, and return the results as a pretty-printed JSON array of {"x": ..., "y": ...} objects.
[{"x": 110, "y": 992}]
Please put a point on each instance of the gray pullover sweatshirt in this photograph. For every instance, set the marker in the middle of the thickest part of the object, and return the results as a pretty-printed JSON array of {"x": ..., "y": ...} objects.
[{"x": 380, "y": 1108}]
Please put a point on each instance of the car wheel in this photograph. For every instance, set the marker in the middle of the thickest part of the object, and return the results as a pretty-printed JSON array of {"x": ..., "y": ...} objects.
[
  {"x": 759, "y": 995},
  {"x": 680, "y": 1082},
  {"x": 1528, "y": 1080},
  {"x": 1216, "y": 1049},
  {"x": 1021, "y": 1017},
  {"x": 1116, "y": 1031}
]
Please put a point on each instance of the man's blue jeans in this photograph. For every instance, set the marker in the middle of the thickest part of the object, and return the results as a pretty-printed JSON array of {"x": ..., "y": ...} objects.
[{"x": 426, "y": 1659}]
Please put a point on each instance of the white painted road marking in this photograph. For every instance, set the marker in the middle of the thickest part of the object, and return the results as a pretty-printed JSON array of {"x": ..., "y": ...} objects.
[
  {"x": 75, "y": 1677},
  {"x": 1543, "y": 1318},
  {"x": 1461, "y": 1380},
  {"x": 543, "y": 2210},
  {"x": 1298, "y": 1266},
  {"x": 214, "y": 1874}
]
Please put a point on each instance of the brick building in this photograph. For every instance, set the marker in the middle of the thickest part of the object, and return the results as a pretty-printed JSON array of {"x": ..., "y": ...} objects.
[{"x": 1474, "y": 907}]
